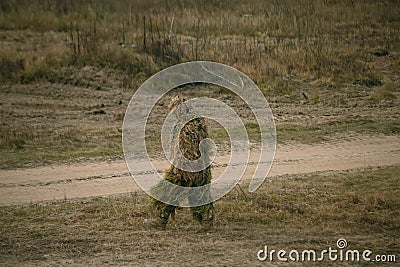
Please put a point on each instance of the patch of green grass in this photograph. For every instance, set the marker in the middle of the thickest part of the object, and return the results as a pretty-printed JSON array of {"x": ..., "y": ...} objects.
[
  {"x": 22, "y": 159},
  {"x": 322, "y": 132},
  {"x": 31, "y": 147},
  {"x": 221, "y": 135},
  {"x": 315, "y": 133}
]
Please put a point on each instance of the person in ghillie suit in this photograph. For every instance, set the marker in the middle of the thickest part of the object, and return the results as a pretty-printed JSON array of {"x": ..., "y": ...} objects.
[{"x": 189, "y": 139}]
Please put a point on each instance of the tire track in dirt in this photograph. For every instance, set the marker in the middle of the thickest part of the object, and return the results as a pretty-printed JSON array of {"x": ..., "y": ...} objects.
[{"x": 24, "y": 186}]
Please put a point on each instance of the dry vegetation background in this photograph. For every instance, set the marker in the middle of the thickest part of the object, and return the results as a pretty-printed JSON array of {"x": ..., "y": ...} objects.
[
  {"x": 68, "y": 69},
  {"x": 329, "y": 68}
]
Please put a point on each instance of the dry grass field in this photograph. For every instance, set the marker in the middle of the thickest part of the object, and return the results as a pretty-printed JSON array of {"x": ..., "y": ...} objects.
[{"x": 330, "y": 70}]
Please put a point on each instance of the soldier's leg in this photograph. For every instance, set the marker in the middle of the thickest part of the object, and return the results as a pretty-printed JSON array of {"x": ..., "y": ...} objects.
[
  {"x": 203, "y": 214},
  {"x": 164, "y": 190},
  {"x": 163, "y": 213}
]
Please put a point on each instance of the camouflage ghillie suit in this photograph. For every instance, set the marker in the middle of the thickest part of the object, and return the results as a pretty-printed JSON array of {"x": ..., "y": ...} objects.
[{"x": 189, "y": 139}]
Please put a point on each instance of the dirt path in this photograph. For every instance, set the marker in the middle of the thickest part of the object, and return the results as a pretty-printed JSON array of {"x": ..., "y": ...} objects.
[{"x": 106, "y": 178}]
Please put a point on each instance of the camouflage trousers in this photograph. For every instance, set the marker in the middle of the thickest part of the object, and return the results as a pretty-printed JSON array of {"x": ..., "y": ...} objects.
[{"x": 203, "y": 214}]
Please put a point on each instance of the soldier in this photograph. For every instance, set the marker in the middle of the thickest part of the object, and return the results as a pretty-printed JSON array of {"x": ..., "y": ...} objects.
[{"x": 189, "y": 139}]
